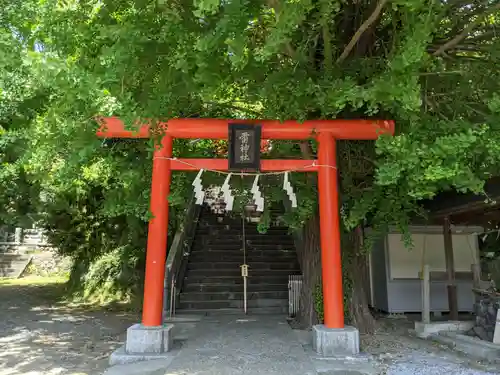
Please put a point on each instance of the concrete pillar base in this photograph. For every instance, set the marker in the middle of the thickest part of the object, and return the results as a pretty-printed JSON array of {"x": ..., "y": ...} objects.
[
  {"x": 496, "y": 332},
  {"x": 334, "y": 342},
  {"x": 424, "y": 330},
  {"x": 144, "y": 343},
  {"x": 151, "y": 340}
]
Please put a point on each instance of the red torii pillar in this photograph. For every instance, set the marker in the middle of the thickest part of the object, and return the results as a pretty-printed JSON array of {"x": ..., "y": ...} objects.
[{"x": 326, "y": 132}]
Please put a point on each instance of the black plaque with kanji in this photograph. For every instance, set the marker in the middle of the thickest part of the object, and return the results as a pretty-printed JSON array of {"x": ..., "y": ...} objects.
[{"x": 244, "y": 147}]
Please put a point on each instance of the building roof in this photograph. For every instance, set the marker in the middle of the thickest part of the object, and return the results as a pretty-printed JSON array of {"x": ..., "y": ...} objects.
[{"x": 468, "y": 207}]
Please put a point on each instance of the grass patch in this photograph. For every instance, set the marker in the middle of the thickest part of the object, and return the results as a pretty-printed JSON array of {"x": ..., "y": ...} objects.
[
  {"x": 33, "y": 280},
  {"x": 112, "y": 306},
  {"x": 54, "y": 290}
]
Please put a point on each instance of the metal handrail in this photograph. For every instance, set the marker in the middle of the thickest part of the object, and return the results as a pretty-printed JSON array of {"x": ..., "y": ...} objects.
[{"x": 178, "y": 254}]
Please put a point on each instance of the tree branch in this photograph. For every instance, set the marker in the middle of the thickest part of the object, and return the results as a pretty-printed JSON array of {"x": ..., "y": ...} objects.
[
  {"x": 485, "y": 35},
  {"x": 441, "y": 73},
  {"x": 459, "y": 48},
  {"x": 357, "y": 36},
  {"x": 235, "y": 107},
  {"x": 327, "y": 47},
  {"x": 465, "y": 32},
  {"x": 434, "y": 108},
  {"x": 305, "y": 148},
  {"x": 307, "y": 153},
  {"x": 275, "y": 5},
  {"x": 471, "y": 11}
]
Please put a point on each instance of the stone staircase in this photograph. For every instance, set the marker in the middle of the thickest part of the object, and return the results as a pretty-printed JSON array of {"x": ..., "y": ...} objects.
[
  {"x": 213, "y": 282},
  {"x": 12, "y": 265},
  {"x": 22, "y": 240}
]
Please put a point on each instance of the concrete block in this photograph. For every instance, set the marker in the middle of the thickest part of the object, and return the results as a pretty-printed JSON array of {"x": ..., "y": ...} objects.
[
  {"x": 141, "y": 368},
  {"x": 184, "y": 325},
  {"x": 471, "y": 346},
  {"x": 424, "y": 330},
  {"x": 334, "y": 342},
  {"x": 121, "y": 357},
  {"x": 149, "y": 340},
  {"x": 496, "y": 333}
]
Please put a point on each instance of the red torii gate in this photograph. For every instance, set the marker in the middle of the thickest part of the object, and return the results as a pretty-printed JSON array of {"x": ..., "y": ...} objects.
[{"x": 325, "y": 131}]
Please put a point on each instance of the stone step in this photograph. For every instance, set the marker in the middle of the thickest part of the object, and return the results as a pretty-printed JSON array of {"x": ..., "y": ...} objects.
[
  {"x": 13, "y": 265},
  {"x": 238, "y": 224},
  {"x": 231, "y": 304},
  {"x": 233, "y": 288},
  {"x": 471, "y": 346},
  {"x": 236, "y": 272},
  {"x": 276, "y": 265},
  {"x": 277, "y": 310},
  {"x": 250, "y": 250},
  {"x": 236, "y": 280},
  {"x": 226, "y": 256},
  {"x": 232, "y": 231},
  {"x": 213, "y": 220},
  {"x": 231, "y": 239},
  {"x": 9, "y": 257},
  {"x": 209, "y": 216},
  {"x": 183, "y": 326},
  {"x": 223, "y": 261},
  {"x": 237, "y": 245},
  {"x": 4, "y": 269},
  {"x": 215, "y": 252},
  {"x": 234, "y": 215},
  {"x": 236, "y": 235},
  {"x": 226, "y": 295}
]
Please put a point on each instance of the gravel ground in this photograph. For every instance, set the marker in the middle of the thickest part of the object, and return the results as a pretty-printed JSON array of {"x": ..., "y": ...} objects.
[
  {"x": 41, "y": 336},
  {"x": 398, "y": 352}
]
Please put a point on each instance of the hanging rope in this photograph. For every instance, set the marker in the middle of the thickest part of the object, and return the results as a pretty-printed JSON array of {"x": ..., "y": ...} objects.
[
  {"x": 244, "y": 266},
  {"x": 244, "y": 234},
  {"x": 312, "y": 165}
]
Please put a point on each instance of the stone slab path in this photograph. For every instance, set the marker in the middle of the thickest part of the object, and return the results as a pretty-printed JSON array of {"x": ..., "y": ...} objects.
[{"x": 231, "y": 345}]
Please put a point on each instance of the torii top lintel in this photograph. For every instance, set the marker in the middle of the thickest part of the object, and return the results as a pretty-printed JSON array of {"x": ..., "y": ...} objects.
[{"x": 194, "y": 128}]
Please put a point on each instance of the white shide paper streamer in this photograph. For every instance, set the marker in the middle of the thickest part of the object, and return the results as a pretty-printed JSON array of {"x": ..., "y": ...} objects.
[
  {"x": 287, "y": 186},
  {"x": 226, "y": 193},
  {"x": 199, "y": 193},
  {"x": 257, "y": 195}
]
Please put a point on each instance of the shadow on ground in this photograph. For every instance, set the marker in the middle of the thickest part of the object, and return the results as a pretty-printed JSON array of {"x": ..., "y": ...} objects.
[{"x": 40, "y": 334}]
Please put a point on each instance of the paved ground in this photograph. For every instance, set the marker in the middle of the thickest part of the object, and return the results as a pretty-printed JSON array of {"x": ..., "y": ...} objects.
[
  {"x": 242, "y": 346},
  {"x": 39, "y": 336},
  {"x": 267, "y": 345}
]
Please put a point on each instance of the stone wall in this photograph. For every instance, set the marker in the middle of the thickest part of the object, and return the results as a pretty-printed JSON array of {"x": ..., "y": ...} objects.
[
  {"x": 21, "y": 240},
  {"x": 486, "y": 307},
  {"x": 33, "y": 242},
  {"x": 48, "y": 263}
]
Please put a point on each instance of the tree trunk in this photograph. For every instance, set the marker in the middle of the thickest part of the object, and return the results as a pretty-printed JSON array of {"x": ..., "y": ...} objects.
[
  {"x": 354, "y": 262},
  {"x": 356, "y": 283},
  {"x": 310, "y": 263}
]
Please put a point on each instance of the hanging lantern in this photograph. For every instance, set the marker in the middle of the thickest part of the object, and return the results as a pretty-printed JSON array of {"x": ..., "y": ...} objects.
[{"x": 287, "y": 186}]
